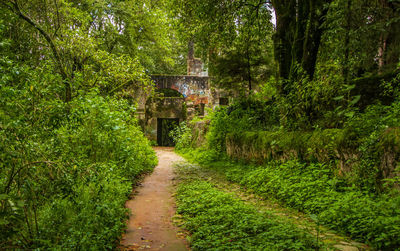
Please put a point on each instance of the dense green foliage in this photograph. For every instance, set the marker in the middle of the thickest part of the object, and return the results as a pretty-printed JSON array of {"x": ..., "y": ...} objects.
[
  {"x": 182, "y": 136},
  {"x": 67, "y": 174},
  {"x": 331, "y": 56},
  {"x": 70, "y": 145},
  {"x": 347, "y": 176},
  {"x": 245, "y": 115},
  {"x": 365, "y": 146},
  {"x": 312, "y": 39},
  {"x": 315, "y": 189},
  {"x": 319, "y": 85},
  {"x": 219, "y": 221}
]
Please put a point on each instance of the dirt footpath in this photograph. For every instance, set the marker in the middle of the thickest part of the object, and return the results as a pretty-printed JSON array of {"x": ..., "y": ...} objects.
[{"x": 150, "y": 225}]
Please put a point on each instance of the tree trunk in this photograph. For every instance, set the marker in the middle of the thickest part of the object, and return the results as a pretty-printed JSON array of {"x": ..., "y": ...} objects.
[
  {"x": 389, "y": 50},
  {"x": 248, "y": 67},
  {"x": 285, "y": 11},
  {"x": 345, "y": 70},
  {"x": 313, "y": 35},
  {"x": 298, "y": 35},
  {"x": 381, "y": 52}
]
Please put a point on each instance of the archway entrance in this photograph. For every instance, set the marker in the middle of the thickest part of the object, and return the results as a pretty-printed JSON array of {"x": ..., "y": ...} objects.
[{"x": 164, "y": 127}]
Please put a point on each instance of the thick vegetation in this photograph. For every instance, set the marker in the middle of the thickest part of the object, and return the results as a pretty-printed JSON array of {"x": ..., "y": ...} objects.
[
  {"x": 70, "y": 145},
  {"x": 344, "y": 175},
  {"x": 219, "y": 221},
  {"x": 67, "y": 173},
  {"x": 343, "y": 170},
  {"x": 302, "y": 169},
  {"x": 316, "y": 107},
  {"x": 315, "y": 190}
]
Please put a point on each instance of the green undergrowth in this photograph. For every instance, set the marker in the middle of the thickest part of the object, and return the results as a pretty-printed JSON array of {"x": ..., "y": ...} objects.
[
  {"x": 219, "y": 221},
  {"x": 364, "y": 146},
  {"x": 261, "y": 146},
  {"x": 314, "y": 189},
  {"x": 65, "y": 180}
]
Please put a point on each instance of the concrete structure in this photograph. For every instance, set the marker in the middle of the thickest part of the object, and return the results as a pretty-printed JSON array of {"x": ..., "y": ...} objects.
[
  {"x": 195, "y": 89},
  {"x": 195, "y": 66},
  {"x": 159, "y": 114}
]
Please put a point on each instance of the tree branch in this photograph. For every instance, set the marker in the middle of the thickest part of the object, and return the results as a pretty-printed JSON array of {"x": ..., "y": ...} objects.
[
  {"x": 13, "y": 175},
  {"x": 58, "y": 18},
  {"x": 17, "y": 11}
]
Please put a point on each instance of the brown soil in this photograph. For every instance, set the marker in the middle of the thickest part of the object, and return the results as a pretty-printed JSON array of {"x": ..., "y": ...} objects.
[{"x": 150, "y": 226}]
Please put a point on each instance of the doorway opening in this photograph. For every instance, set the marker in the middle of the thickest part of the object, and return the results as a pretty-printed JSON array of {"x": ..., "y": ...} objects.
[
  {"x": 199, "y": 109},
  {"x": 164, "y": 127}
]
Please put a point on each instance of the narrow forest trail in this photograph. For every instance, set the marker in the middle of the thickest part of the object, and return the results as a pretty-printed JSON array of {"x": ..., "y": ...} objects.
[{"x": 152, "y": 207}]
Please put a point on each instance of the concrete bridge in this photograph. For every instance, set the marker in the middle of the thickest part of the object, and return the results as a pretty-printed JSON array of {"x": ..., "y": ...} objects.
[
  {"x": 193, "y": 88},
  {"x": 160, "y": 114}
]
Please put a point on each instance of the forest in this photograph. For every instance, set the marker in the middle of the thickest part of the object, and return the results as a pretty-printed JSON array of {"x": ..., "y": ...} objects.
[{"x": 312, "y": 124}]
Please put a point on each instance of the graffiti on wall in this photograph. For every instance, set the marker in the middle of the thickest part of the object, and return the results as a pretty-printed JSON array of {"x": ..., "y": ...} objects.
[{"x": 193, "y": 88}]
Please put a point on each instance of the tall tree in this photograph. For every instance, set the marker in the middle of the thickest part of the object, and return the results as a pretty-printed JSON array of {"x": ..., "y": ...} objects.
[
  {"x": 389, "y": 48},
  {"x": 363, "y": 36},
  {"x": 234, "y": 36},
  {"x": 87, "y": 39},
  {"x": 299, "y": 28},
  {"x": 15, "y": 7}
]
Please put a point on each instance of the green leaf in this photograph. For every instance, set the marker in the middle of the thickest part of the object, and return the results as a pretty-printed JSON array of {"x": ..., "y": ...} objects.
[
  {"x": 3, "y": 222},
  {"x": 355, "y": 100},
  {"x": 349, "y": 114},
  {"x": 338, "y": 98},
  {"x": 349, "y": 87}
]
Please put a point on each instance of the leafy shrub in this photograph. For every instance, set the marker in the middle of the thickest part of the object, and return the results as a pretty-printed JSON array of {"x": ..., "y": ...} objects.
[
  {"x": 307, "y": 104},
  {"x": 218, "y": 130},
  {"x": 67, "y": 169},
  {"x": 244, "y": 115},
  {"x": 103, "y": 130},
  {"x": 202, "y": 155},
  {"x": 91, "y": 217},
  {"x": 376, "y": 133},
  {"x": 219, "y": 221},
  {"x": 182, "y": 136}
]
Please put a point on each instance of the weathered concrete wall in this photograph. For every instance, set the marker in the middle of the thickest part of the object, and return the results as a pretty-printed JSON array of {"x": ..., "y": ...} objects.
[
  {"x": 218, "y": 94},
  {"x": 195, "y": 66},
  {"x": 199, "y": 130},
  {"x": 328, "y": 146},
  {"x": 162, "y": 108}
]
